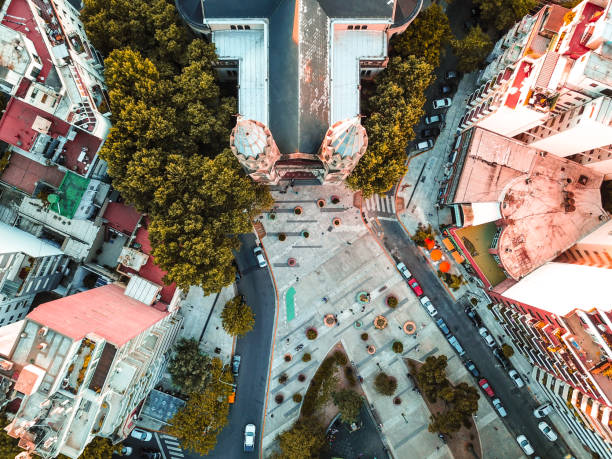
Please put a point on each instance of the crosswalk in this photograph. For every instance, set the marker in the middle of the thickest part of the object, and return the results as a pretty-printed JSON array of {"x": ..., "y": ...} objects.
[
  {"x": 382, "y": 205},
  {"x": 172, "y": 446}
]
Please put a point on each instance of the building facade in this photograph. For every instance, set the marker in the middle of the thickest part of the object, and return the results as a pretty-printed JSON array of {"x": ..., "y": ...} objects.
[
  {"x": 298, "y": 66},
  {"x": 81, "y": 367}
]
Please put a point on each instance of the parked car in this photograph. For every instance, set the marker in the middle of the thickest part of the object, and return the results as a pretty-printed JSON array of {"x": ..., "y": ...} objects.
[
  {"x": 456, "y": 345},
  {"x": 434, "y": 119},
  {"x": 473, "y": 316},
  {"x": 125, "y": 451},
  {"x": 525, "y": 445},
  {"x": 235, "y": 365},
  {"x": 516, "y": 379},
  {"x": 547, "y": 431},
  {"x": 401, "y": 267},
  {"x": 425, "y": 145},
  {"x": 484, "y": 384},
  {"x": 472, "y": 368},
  {"x": 451, "y": 75},
  {"x": 442, "y": 103},
  {"x": 429, "y": 307},
  {"x": 141, "y": 435},
  {"x": 501, "y": 358},
  {"x": 486, "y": 336},
  {"x": 151, "y": 453},
  {"x": 261, "y": 260},
  {"x": 543, "y": 410},
  {"x": 430, "y": 132},
  {"x": 443, "y": 327},
  {"x": 416, "y": 288},
  {"x": 497, "y": 404},
  {"x": 445, "y": 89},
  {"x": 249, "y": 438}
]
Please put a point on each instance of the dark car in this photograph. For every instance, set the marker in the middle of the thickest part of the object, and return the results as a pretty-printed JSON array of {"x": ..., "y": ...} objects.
[
  {"x": 451, "y": 75},
  {"x": 150, "y": 453},
  {"x": 445, "y": 89},
  {"x": 474, "y": 317},
  {"x": 472, "y": 368},
  {"x": 430, "y": 132},
  {"x": 501, "y": 358}
]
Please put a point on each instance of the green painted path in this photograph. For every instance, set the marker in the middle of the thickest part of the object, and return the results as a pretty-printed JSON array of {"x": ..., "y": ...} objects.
[{"x": 290, "y": 304}]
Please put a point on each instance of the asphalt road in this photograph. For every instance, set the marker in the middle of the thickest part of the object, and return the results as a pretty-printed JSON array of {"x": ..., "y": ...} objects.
[{"x": 519, "y": 403}]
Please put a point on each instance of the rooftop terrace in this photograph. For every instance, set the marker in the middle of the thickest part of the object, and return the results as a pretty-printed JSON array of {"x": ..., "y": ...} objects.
[{"x": 23, "y": 173}]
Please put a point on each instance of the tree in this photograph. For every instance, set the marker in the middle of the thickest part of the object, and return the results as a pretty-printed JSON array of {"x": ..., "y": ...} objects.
[
  {"x": 472, "y": 50},
  {"x": 385, "y": 384},
  {"x": 426, "y": 36},
  {"x": 303, "y": 441},
  {"x": 238, "y": 318},
  {"x": 349, "y": 403},
  {"x": 99, "y": 448},
  {"x": 507, "y": 350},
  {"x": 431, "y": 376},
  {"x": 188, "y": 367},
  {"x": 503, "y": 13},
  {"x": 326, "y": 390},
  {"x": 445, "y": 422},
  {"x": 398, "y": 347},
  {"x": 8, "y": 445},
  {"x": 423, "y": 232},
  {"x": 199, "y": 422}
]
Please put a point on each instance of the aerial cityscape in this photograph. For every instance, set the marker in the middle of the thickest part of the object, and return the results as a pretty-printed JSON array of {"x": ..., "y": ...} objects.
[{"x": 294, "y": 229}]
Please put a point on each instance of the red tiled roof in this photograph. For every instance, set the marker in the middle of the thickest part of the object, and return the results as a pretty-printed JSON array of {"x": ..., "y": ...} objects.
[
  {"x": 576, "y": 49},
  {"x": 23, "y": 173},
  {"x": 16, "y": 124},
  {"x": 121, "y": 217},
  {"x": 522, "y": 73},
  {"x": 26, "y": 24},
  {"x": 72, "y": 150},
  {"x": 150, "y": 271},
  {"x": 554, "y": 21},
  {"x": 105, "y": 311}
]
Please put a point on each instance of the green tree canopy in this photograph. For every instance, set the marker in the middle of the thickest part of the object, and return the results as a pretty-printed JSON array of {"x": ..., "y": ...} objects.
[
  {"x": 385, "y": 384},
  {"x": 99, "y": 448},
  {"x": 303, "y": 441},
  {"x": 472, "y": 50},
  {"x": 349, "y": 403},
  {"x": 237, "y": 317},
  {"x": 502, "y": 14},
  {"x": 425, "y": 37},
  {"x": 8, "y": 445},
  {"x": 431, "y": 376},
  {"x": 188, "y": 367}
]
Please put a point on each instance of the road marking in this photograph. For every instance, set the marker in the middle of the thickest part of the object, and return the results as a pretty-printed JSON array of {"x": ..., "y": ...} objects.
[
  {"x": 173, "y": 448},
  {"x": 176, "y": 454},
  {"x": 173, "y": 443},
  {"x": 168, "y": 436},
  {"x": 161, "y": 449}
]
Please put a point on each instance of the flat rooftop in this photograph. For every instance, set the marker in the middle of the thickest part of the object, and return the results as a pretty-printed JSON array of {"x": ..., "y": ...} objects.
[
  {"x": 121, "y": 217},
  {"x": 23, "y": 173},
  {"x": 150, "y": 270}
]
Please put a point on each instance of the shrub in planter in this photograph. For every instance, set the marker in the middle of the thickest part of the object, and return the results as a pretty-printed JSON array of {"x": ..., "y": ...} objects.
[
  {"x": 311, "y": 334},
  {"x": 306, "y": 357},
  {"x": 397, "y": 401},
  {"x": 340, "y": 358},
  {"x": 507, "y": 350},
  {"x": 271, "y": 216},
  {"x": 364, "y": 336},
  {"x": 305, "y": 234},
  {"x": 321, "y": 202},
  {"x": 282, "y": 237},
  {"x": 297, "y": 210},
  {"x": 282, "y": 378},
  {"x": 301, "y": 377},
  {"x": 335, "y": 199},
  {"x": 398, "y": 347},
  {"x": 385, "y": 384},
  {"x": 279, "y": 398},
  {"x": 380, "y": 322},
  {"x": 288, "y": 357},
  {"x": 392, "y": 301},
  {"x": 297, "y": 398}
]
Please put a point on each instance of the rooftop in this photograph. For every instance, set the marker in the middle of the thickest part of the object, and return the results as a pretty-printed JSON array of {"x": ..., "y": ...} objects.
[
  {"x": 69, "y": 194},
  {"x": 121, "y": 217},
  {"x": 24, "y": 173},
  {"x": 150, "y": 270},
  {"x": 13, "y": 239},
  {"x": 105, "y": 311},
  {"x": 589, "y": 13}
]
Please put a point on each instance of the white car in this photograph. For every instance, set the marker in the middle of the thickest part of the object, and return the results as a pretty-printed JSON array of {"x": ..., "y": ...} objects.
[
  {"x": 547, "y": 431},
  {"x": 141, "y": 435},
  {"x": 442, "y": 103},
  {"x": 486, "y": 336},
  {"x": 261, "y": 260},
  {"x": 249, "y": 438},
  {"x": 428, "y": 306},
  {"x": 401, "y": 267},
  {"x": 516, "y": 379},
  {"x": 525, "y": 445},
  {"x": 499, "y": 407},
  {"x": 542, "y": 410}
]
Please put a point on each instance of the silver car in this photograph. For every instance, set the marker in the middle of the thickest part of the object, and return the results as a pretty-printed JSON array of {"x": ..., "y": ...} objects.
[
  {"x": 442, "y": 103},
  {"x": 261, "y": 260}
]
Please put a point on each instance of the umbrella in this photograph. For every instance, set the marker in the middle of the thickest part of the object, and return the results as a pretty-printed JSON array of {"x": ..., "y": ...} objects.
[
  {"x": 436, "y": 255},
  {"x": 444, "y": 266},
  {"x": 429, "y": 243}
]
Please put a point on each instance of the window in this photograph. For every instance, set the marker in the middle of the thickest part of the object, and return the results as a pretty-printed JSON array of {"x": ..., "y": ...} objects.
[
  {"x": 363, "y": 27},
  {"x": 34, "y": 93},
  {"x": 593, "y": 85},
  {"x": 247, "y": 27},
  {"x": 350, "y": 27},
  {"x": 11, "y": 319},
  {"x": 233, "y": 27}
]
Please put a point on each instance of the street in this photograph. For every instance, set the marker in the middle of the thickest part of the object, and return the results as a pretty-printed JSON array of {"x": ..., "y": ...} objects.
[{"x": 518, "y": 402}]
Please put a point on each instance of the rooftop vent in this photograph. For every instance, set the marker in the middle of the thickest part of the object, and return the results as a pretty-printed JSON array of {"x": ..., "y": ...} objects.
[{"x": 583, "y": 179}]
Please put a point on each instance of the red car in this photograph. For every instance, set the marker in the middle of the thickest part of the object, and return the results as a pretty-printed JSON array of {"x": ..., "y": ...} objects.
[
  {"x": 484, "y": 384},
  {"x": 416, "y": 288}
]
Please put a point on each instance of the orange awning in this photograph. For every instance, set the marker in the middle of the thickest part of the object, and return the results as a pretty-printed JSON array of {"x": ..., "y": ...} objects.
[
  {"x": 448, "y": 244},
  {"x": 458, "y": 258},
  {"x": 444, "y": 266},
  {"x": 436, "y": 255}
]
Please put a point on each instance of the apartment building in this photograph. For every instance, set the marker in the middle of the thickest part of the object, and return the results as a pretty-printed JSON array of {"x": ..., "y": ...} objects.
[{"x": 82, "y": 366}]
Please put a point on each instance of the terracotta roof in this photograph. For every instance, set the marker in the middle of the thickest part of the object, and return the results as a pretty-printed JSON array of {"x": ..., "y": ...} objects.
[
  {"x": 23, "y": 173},
  {"x": 105, "y": 311},
  {"x": 554, "y": 20},
  {"x": 121, "y": 217}
]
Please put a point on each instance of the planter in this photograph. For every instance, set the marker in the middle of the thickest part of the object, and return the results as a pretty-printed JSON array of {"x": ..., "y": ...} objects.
[
  {"x": 380, "y": 322},
  {"x": 288, "y": 357},
  {"x": 329, "y": 320},
  {"x": 283, "y": 378},
  {"x": 272, "y": 216},
  {"x": 363, "y": 297},
  {"x": 297, "y": 398},
  {"x": 279, "y": 398},
  {"x": 364, "y": 336},
  {"x": 409, "y": 327},
  {"x": 305, "y": 234},
  {"x": 297, "y": 210},
  {"x": 358, "y": 324},
  {"x": 397, "y": 347},
  {"x": 391, "y": 301},
  {"x": 335, "y": 199},
  {"x": 371, "y": 349},
  {"x": 291, "y": 261},
  {"x": 336, "y": 221},
  {"x": 321, "y": 202},
  {"x": 306, "y": 357},
  {"x": 312, "y": 333},
  {"x": 397, "y": 401},
  {"x": 301, "y": 377},
  {"x": 282, "y": 237}
]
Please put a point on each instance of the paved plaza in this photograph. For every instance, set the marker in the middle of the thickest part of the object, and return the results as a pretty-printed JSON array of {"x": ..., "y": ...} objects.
[{"x": 332, "y": 266}]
